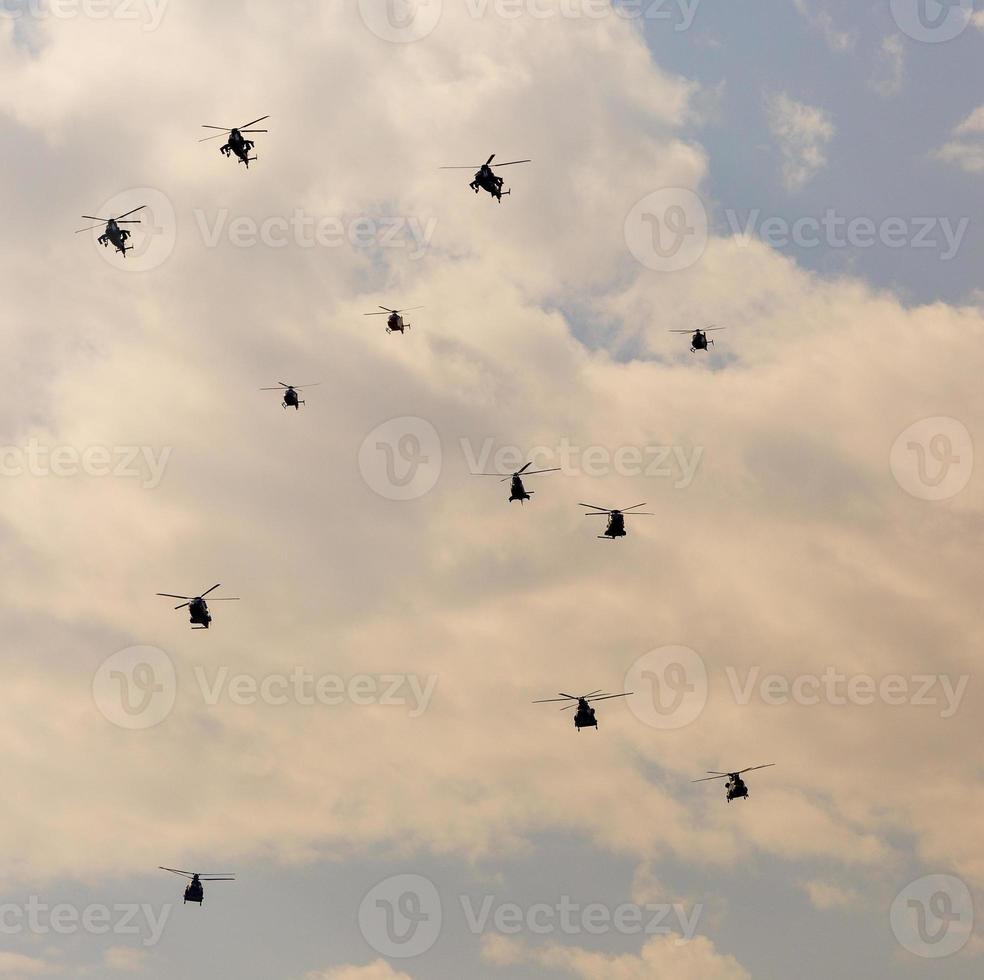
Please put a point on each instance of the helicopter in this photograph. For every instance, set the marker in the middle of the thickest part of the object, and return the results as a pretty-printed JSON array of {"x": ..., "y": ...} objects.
[
  {"x": 236, "y": 143},
  {"x": 735, "y": 787},
  {"x": 113, "y": 233},
  {"x": 198, "y": 608},
  {"x": 699, "y": 339},
  {"x": 584, "y": 717},
  {"x": 194, "y": 891},
  {"x": 486, "y": 180},
  {"x": 616, "y": 519},
  {"x": 394, "y": 322},
  {"x": 291, "y": 399},
  {"x": 517, "y": 491}
]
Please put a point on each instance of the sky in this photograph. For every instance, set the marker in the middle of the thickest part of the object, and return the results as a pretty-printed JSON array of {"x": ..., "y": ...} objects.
[{"x": 355, "y": 738}]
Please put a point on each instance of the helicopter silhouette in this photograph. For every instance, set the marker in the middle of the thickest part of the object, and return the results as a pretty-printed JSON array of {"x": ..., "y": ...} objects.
[
  {"x": 486, "y": 180},
  {"x": 236, "y": 143},
  {"x": 194, "y": 891},
  {"x": 198, "y": 609},
  {"x": 616, "y": 519},
  {"x": 584, "y": 717},
  {"x": 699, "y": 339},
  {"x": 291, "y": 399},
  {"x": 394, "y": 321},
  {"x": 735, "y": 788},
  {"x": 114, "y": 234},
  {"x": 516, "y": 490}
]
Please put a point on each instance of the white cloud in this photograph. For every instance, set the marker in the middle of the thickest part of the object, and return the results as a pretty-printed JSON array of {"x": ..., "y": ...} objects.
[
  {"x": 802, "y": 133},
  {"x": 889, "y": 76},
  {"x": 379, "y": 970},
  {"x": 966, "y": 149},
  {"x": 662, "y": 956},
  {"x": 839, "y": 41}
]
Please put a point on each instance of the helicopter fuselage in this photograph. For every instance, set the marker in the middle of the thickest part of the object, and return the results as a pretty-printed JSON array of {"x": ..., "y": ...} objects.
[
  {"x": 700, "y": 342},
  {"x": 195, "y": 891},
  {"x": 486, "y": 180},
  {"x": 291, "y": 399},
  {"x": 240, "y": 146},
  {"x": 518, "y": 492},
  {"x": 395, "y": 324},
  {"x": 616, "y": 526},
  {"x": 584, "y": 717},
  {"x": 199, "y": 614},
  {"x": 115, "y": 236},
  {"x": 735, "y": 788}
]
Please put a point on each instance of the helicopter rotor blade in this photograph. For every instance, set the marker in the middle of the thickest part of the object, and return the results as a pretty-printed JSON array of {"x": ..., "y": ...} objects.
[
  {"x": 214, "y": 587},
  {"x": 604, "y": 510},
  {"x": 226, "y": 598},
  {"x": 707, "y": 779},
  {"x": 625, "y": 510},
  {"x": 183, "y": 604},
  {"x": 134, "y": 211},
  {"x": 171, "y": 595},
  {"x": 253, "y": 123},
  {"x": 187, "y": 874},
  {"x": 511, "y": 162},
  {"x": 215, "y": 137},
  {"x": 554, "y": 469},
  {"x": 254, "y": 131},
  {"x": 753, "y": 768},
  {"x": 225, "y": 129},
  {"x": 490, "y": 159},
  {"x": 216, "y": 877},
  {"x": 549, "y": 700},
  {"x": 524, "y": 469},
  {"x": 409, "y": 309},
  {"x": 91, "y": 228},
  {"x": 472, "y": 167},
  {"x": 605, "y": 697}
]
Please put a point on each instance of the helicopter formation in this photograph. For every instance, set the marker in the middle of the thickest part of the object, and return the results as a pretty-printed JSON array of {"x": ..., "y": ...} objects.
[{"x": 200, "y": 616}]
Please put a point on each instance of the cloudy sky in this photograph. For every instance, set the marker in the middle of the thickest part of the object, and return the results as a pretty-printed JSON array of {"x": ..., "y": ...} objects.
[{"x": 354, "y": 738}]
